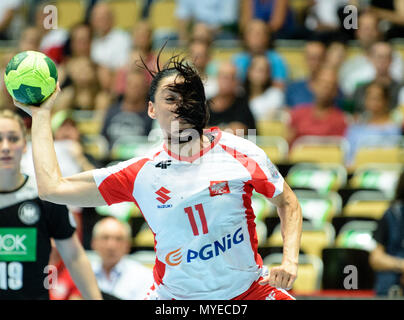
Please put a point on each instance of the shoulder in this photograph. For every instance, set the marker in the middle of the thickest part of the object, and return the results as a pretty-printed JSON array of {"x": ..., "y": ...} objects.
[{"x": 239, "y": 146}]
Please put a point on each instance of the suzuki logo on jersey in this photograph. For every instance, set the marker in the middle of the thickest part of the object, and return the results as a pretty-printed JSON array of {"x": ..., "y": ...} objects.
[
  {"x": 218, "y": 187},
  {"x": 208, "y": 251},
  {"x": 162, "y": 193}
]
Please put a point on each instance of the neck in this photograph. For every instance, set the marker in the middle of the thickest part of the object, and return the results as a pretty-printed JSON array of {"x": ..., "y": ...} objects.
[
  {"x": 11, "y": 181},
  {"x": 189, "y": 148},
  {"x": 255, "y": 90},
  {"x": 379, "y": 117}
]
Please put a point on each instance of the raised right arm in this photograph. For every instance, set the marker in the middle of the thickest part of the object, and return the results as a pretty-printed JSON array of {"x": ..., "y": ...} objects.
[{"x": 78, "y": 190}]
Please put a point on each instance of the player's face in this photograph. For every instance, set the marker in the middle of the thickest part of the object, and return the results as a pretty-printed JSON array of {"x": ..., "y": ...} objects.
[
  {"x": 12, "y": 144},
  {"x": 163, "y": 108}
]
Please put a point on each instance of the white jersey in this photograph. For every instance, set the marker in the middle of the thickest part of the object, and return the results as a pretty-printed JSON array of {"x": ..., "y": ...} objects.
[{"x": 199, "y": 210}]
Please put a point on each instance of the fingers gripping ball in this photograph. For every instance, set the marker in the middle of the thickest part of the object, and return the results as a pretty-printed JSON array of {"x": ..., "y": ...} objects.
[{"x": 30, "y": 77}]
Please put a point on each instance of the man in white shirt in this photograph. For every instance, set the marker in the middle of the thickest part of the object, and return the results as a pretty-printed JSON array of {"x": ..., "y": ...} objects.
[
  {"x": 117, "y": 274},
  {"x": 110, "y": 46}
]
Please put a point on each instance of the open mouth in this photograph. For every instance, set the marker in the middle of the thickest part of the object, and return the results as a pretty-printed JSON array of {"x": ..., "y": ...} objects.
[{"x": 4, "y": 159}]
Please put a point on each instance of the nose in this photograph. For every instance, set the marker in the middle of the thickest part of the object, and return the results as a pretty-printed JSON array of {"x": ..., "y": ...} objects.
[{"x": 5, "y": 146}]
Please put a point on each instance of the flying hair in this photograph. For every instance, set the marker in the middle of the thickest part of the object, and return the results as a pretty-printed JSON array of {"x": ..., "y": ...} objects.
[{"x": 192, "y": 106}]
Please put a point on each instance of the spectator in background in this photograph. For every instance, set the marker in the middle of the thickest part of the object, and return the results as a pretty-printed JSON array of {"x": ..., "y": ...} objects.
[
  {"x": 391, "y": 11},
  {"x": 359, "y": 69},
  {"x": 375, "y": 125},
  {"x": 84, "y": 92},
  {"x": 229, "y": 109},
  {"x": 200, "y": 56},
  {"x": 256, "y": 40},
  {"x": 30, "y": 39},
  {"x": 277, "y": 14},
  {"x": 387, "y": 259},
  {"x": 9, "y": 18},
  {"x": 264, "y": 99},
  {"x": 117, "y": 274},
  {"x": 322, "y": 117},
  {"x": 300, "y": 91},
  {"x": 128, "y": 117},
  {"x": 381, "y": 57},
  {"x": 221, "y": 17},
  {"x": 110, "y": 47},
  {"x": 142, "y": 38}
]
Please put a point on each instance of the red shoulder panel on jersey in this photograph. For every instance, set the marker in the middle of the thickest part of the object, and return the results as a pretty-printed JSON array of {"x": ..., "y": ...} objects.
[
  {"x": 118, "y": 187},
  {"x": 259, "y": 179}
]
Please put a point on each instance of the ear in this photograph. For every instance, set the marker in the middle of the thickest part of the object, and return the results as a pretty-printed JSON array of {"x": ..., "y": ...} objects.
[{"x": 151, "y": 111}]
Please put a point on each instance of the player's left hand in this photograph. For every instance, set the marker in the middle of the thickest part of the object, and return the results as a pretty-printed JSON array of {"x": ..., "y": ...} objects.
[{"x": 281, "y": 277}]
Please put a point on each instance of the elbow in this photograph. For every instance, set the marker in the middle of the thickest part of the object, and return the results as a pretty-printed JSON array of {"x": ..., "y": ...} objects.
[{"x": 45, "y": 194}]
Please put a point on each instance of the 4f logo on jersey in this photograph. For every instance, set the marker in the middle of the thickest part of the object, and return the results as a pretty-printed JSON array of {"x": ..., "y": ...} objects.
[
  {"x": 163, "y": 164},
  {"x": 163, "y": 197}
]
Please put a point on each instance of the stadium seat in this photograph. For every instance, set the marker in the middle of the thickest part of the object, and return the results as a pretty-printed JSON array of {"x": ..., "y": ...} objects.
[
  {"x": 70, "y": 12},
  {"x": 126, "y": 13},
  {"x": 377, "y": 176},
  {"x": 319, "y": 208},
  {"x": 276, "y": 126},
  {"x": 337, "y": 263},
  {"x": 261, "y": 206},
  {"x": 318, "y": 149},
  {"x": 275, "y": 147},
  {"x": 357, "y": 235},
  {"x": 309, "y": 272},
  {"x": 145, "y": 257},
  {"x": 368, "y": 204},
  {"x": 144, "y": 238},
  {"x": 322, "y": 177},
  {"x": 388, "y": 154},
  {"x": 313, "y": 240}
]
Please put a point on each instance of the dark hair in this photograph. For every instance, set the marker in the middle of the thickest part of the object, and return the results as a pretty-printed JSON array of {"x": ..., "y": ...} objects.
[{"x": 192, "y": 106}]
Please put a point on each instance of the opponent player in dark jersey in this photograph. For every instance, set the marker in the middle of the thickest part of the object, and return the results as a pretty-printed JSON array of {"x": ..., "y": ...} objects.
[{"x": 27, "y": 225}]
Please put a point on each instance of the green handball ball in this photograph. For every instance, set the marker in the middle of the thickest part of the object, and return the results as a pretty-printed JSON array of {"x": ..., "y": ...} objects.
[{"x": 30, "y": 77}]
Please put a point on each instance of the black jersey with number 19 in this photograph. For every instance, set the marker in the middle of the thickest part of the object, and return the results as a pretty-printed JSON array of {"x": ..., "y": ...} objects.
[{"x": 26, "y": 226}]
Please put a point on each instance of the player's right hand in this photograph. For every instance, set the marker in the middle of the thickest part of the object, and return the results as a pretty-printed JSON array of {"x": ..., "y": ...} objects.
[{"x": 46, "y": 105}]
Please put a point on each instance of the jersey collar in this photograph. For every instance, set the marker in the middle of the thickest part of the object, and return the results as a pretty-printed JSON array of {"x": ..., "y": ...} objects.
[{"x": 213, "y": 130}]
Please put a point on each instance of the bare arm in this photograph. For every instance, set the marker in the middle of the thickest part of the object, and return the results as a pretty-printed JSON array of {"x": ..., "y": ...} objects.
[
  {"x": 290, "y": 214},
  {"x": 381, "y": 261},
  {"x": 79, "y": 267},
  {"x": 78, "y": 190},
  {"x": 278, "y": 17},
  {"x": 394, "y": 16}
]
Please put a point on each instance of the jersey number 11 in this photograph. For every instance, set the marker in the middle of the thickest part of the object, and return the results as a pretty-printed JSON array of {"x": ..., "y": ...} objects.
[{"x": 190, "y": 212}]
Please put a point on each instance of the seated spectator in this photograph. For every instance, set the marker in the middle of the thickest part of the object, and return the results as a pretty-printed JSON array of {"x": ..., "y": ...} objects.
[
  {"x": 220, "y": 16},
  {"x": 387, "y": 259},
  {"x": 381, "y": 57},
  {"x": 359, "y": 69},
  {"x": 229, "y": 109},
  {"x": 299, "y": 91},
  {"x": 277, "y": 14},
  {"x": 263, "y": 97},
  {"x": 128, "y": 116},
  {"x": 375, "y": 125},
  {"x": 110, "y": 47},
  {"x": 142, "y": 38},
  {"x": 9, "y": 16},
  {"x": 117, "y": 274},
  {"x": 322, "y": 117},
  {"x": 84, "y": 92},
  {"x": 256, "y": 38},
  {"x": 200, "y": 56},
  {"x": 391, "y": 11}
]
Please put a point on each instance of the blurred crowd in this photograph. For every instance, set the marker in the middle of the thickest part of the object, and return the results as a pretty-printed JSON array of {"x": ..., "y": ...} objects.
[{"x": 358, "y": 97}]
